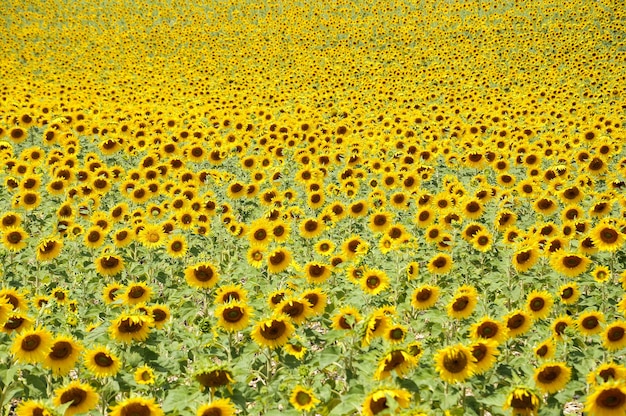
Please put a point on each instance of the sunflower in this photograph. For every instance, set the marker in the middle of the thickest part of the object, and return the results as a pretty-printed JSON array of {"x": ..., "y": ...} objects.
[
  {"x": 32, "y": 345},
  {"x": 137, "y": 293},
  {"x": 374, "y": 281},
  {"x": 109, "y": 264},
  {"x": 152, "y": 236},
  {"x": 376, "y": 326},
  {"x": 101, "y": 362},
  {"x": 33, "y": 408},
  {"x": 518, "y": 322},
  {"x": 412, "y": 270},
  {"x": 297, "y": 309},
  {"x": 256, "y": 256},
  {"x": 137, "y": 406},
  {"x": 325, "y": 247},
  {"x": 259, "y": 233},
  {"x": 127, "y": 328},
  {"x": 380, "y": 221},
  {"x": 539, "y": 304},
  {"x": 385, "y": 398},
  {"x": 546, "y": 349},
  {"x": 111, "y": 292},
  {"x": 504, "y": 219},
  {"x": 227, "y": 293},
  {"x": 346, "y": 318},
  {"x": 144, "y": 375},
  {"x": 295, "y": 350},
  {"x": 524, "y": 259},
  {"x": 463, "y": 303},
  {"x": 14, "y": 238},
  {"x": 440, "y": 264},
  {"x": 606, "y": 373},
  {"x": 425, "y": 216},
  {"x": 570, "y": 264},
  {"x": 317, "y": 300},
  {"x": 488, "y": 329},
  {"x": 14, "y": 298},
  {"x": 176, "y": 246},
  {"x": 303, "y": 399},
  {"x": 485, "y": 353},
  {"x": 123, "y": 237},
  {"x": 569, "y": 293},
  {"x": 559, "y": 325},
  {"x": 233, "y": 316},
  {"x": 395, "y": 333},
  {"x": 552, "y": 377},
  {"x": 614, "y": 336},
  {"x": 607, "y": 237},
  {"x": 601, "y": 274},
  {"x": 217, "y": 407},
  {"x": 273, "y": 332},
  {"x": 455, "y": 363},
  {"x": 63, "y": 355},
  {"x": 15, "y": 323},
  {"x": 82, "y": 397},
  {"x": 160, "y": 315},
  {"x": 590, "y": 323},
  {"x": 397, "y": 360},
  {"x": 317, "y": 272},
  {"x": 278, "y": 260},
  {"x": 482, "y": 241},
  {"x": 608, "y": 399},
  {"x": 10, "y": 220},
  {"x": 424, "y": 297},
  {"x": 523, "y": 402},
  {"x": 201, "y": 275},
  {"x": 311, "y": 228}
]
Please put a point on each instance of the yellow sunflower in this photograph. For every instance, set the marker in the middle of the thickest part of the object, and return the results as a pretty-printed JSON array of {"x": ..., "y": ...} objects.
[
  {"x": 608, "y": 399},
  {"x": 217, "y": 407},
  {"x": 607, "y": 237},
  {"x": 518, "y": 322},
  {"x": 63, "y": 355},
  {"x": 152, "y": 236},
  {"x": 607, "y": 372},
  {"x": 485, "y": 353},
  {"x": 176, "y": 246},
  {"x": 201, "y": 275},
  {"x": 440, "y": 264},
  {"x": 614, "y": 336},
  {"x": 14, "y": 238},
  {"x": 398, "y": 361},
  {"x": 570, "y": 264},
  {"x": 82, "y": 397},
  {"x": 144, "y": 375},
  {"x": 303, "y": 399},
  {"x": 374, "y": 281},
  {"x": 317, "y": 272},
  {"x": 522, "y": 402},
  {"x": 137, "y": 406},
  {"x": 101, "y": 362},
  {"x": 33, "y": 408},
  {"x": 455, "y": 363},
  {"x": 488, "y": 329},
  {"x": 273, "y": 332},
  {"x": 317, "y": 300},
  {"x": 552, "y": 377},
  {"x": 278, "y": 260},
  {"x": 590, "y": 322},
  {"x": 160, "y": 315},
  {"x": 49, "y": 249},
  {"x": 463, "y": 303},
  {"x": 109, "y": 264},
  {"x": 546, "y": 349},
  {"x": 32, "y": 345},
  {"x": 136, "y": 293},
  {"x": 384, "y": 398},
  {"x": 233, "y": 315},
  {"x": 525, "y": 258},
  {"x": 539, "y": 304},
  {"x": 127, "y": 328},
  {"x": 346, "y": 318}
]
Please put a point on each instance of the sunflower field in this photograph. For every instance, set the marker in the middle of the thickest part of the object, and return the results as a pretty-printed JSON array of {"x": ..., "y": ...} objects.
[{"x": 335, "y": 207}]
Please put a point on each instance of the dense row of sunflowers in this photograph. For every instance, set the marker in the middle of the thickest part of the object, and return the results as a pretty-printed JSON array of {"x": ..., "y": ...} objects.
[{"x": 334, "y": 208}]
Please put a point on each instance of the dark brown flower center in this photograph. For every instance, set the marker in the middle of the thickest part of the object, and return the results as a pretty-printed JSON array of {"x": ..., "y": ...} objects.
[
  {"x": 615, "y": 334},
  {"x": 611, "y": 398},
  {"x": 549, "y": 374},
  {"x": 60, "y": 350},
  {"x": 74, "y": 395},
  {"x": 31, "y": 342},
  {"x": 455, "y": 361},
  {"x": 275, "y": 330}
]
